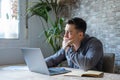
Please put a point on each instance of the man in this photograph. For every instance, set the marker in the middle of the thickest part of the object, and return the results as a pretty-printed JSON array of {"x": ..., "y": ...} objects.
[{"x": 80, "y": 50}]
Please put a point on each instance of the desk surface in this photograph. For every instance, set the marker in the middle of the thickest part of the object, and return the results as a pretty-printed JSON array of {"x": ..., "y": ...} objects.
[{"x": 10, "y": 73}]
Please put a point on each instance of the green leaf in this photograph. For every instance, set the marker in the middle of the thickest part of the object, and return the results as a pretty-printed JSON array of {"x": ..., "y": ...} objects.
[
  {"x": 52, "y": 33},
  {"x": 40, "y": 9}
]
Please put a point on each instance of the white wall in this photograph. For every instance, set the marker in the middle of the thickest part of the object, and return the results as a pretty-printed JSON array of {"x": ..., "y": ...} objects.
[
  {"x": 11, "y": 56},
  {"x": 35, "y": 29},
  {"x": 35, "y": 40}
]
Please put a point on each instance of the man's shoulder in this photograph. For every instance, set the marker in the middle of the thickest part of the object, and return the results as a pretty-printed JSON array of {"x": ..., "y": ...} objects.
[
  {"x": 91, "y": 41},
  {"x": 94, "y": 41}
]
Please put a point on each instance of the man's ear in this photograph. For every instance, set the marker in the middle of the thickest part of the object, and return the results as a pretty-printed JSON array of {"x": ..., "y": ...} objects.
[{"x": 80, "y": 34}]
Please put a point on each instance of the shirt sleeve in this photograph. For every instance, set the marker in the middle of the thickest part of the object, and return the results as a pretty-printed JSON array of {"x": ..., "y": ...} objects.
[
  {"x": 90, "y": 57},
  {"x": 56, "y": 59}
]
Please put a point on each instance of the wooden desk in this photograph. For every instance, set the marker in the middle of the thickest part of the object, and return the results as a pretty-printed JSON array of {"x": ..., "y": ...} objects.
[{"x": 8, "y": 73}]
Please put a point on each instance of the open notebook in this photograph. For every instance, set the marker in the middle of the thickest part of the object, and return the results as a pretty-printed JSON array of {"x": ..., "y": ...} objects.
[{"x": 89, "y": 73}]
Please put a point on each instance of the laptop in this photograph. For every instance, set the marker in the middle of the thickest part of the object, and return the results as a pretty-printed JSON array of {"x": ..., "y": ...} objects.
[{"x": 36, "y": 62}]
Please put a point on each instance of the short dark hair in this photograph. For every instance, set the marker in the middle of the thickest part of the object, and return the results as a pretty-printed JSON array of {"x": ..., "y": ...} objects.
[{"x": 79, "y": 23}]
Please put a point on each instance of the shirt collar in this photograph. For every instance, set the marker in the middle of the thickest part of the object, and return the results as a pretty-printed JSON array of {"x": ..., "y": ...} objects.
[{"x": 86, "y": 37}]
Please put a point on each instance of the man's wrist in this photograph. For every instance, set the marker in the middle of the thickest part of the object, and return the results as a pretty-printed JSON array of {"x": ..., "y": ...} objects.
[{"x": 66, "y": 48}]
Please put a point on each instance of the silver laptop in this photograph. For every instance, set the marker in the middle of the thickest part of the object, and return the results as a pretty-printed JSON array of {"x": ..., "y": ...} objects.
[{"x": 36, "y": 62}]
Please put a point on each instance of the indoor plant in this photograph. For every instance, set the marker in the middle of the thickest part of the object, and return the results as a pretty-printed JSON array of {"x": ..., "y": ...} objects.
[{"x": 53, "y": 32}]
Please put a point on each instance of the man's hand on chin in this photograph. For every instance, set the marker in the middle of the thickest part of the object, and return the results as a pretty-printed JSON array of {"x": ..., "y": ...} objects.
[{"x": 66, "y": 43}]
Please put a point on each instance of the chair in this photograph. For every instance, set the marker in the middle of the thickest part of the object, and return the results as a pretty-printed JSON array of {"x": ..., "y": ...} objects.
[{"x": 108, "y": 62}]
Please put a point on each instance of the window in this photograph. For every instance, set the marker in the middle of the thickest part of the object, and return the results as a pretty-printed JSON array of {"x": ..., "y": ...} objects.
[{"x": 9, "y": 19}]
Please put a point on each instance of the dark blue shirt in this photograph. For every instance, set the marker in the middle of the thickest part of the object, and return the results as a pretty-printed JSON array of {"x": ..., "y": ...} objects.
[{"x": 88, "y": 56}]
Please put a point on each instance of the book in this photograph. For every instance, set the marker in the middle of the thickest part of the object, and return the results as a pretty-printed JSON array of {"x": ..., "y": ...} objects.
[{"x": 89, "y": 73}]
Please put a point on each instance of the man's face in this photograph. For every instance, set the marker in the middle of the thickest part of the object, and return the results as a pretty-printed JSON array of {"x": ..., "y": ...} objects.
[{"x": 71, "y": 33}]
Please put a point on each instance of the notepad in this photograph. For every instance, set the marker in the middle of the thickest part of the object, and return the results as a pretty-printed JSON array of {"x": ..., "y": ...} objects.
[
  {"x": 92, "y": 73},
  {"x": 89, "y": 73}
]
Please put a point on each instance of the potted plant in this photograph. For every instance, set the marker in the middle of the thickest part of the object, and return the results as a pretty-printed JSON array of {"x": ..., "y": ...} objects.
[{"x": 53, "y": 32}]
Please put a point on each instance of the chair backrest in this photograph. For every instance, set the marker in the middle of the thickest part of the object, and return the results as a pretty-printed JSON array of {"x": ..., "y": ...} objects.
[{"x": 108, "y": 62}]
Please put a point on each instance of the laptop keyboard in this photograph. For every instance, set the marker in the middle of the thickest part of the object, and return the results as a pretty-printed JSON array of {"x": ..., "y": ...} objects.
[{"x": 56, "y": 69}]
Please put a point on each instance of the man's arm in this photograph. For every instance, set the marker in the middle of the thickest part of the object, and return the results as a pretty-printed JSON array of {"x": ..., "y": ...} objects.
[
  {"x": 91, "y": 57},
  {"x": 56, "y": 59}
]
